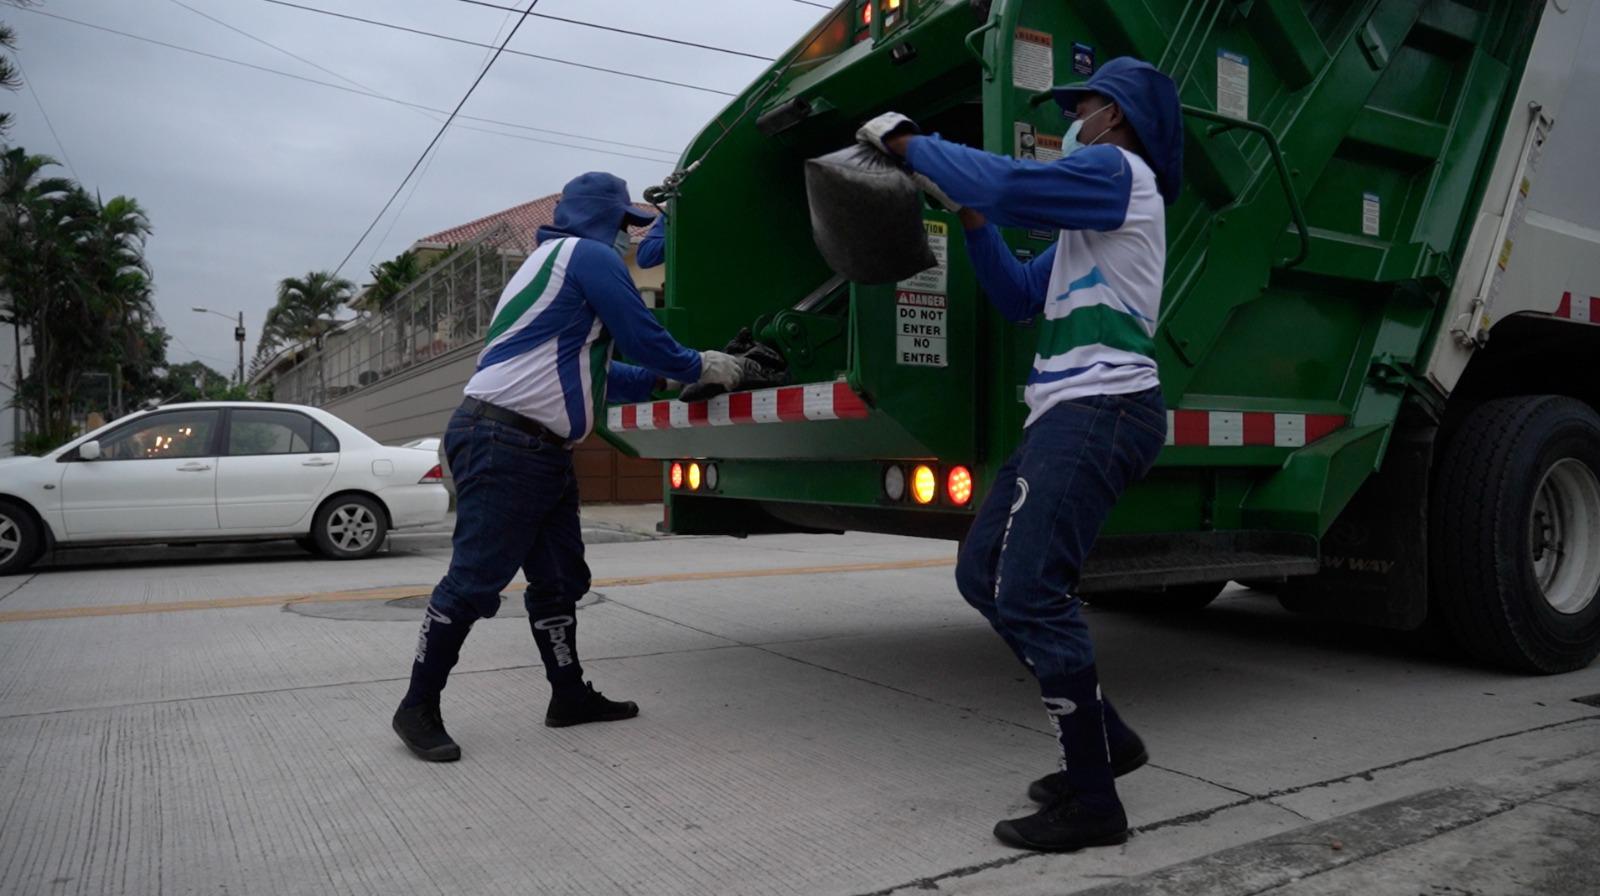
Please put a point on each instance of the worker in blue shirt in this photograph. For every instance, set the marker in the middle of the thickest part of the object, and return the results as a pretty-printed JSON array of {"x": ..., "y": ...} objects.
[
  {"x": 543, "y": 376},
  {"x": 1096, "y": 419}
]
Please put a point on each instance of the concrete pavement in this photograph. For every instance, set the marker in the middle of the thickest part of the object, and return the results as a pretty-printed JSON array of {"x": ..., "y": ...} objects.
[{"x": 820, "y": 715}]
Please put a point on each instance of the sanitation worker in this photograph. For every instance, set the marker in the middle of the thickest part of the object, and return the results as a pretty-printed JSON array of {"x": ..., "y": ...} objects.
[
  {"x": 1095, "y": 414},
  {"x": 544, "y": 373}
]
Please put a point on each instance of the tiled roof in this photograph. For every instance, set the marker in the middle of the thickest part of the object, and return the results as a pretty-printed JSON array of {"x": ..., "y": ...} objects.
[{"x": 524, "y": 220}]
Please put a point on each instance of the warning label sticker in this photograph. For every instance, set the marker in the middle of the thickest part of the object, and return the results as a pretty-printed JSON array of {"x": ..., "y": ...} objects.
[
  {"x": 1371, "y": 211},
  {"x": 1046, "y": 147},
  {"x": 1233, "y": 84},
  {"x": 920, "y": 337},
  {"x": 937, "y": 278},
  {"x": 1033, "y": 60}
]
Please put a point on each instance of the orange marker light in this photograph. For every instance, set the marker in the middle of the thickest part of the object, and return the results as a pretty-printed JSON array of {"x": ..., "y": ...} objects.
[
  {"x": 694, "y": 477},
  {"x": 675, "y": 475},
  {"x": 958, "y": 486},
  {"x": 924, "y": 485}
]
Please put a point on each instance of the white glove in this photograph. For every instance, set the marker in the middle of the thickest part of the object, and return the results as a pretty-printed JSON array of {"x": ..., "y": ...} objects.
[
  {"x": 936, "y": 194},
  {"x": 721, "y": 369},
  {"x": 874, "y": 132}
]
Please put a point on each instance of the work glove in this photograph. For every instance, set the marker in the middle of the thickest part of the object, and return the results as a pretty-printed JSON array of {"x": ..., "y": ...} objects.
[
  {"x": 887, "y": 125},
  {"x": 937, "y": 195},
  {"x": 720, "y": 369}
]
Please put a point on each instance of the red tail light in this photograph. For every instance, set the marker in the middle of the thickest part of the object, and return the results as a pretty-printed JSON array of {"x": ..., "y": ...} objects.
[
  {"x": 435, "y": 475},
  {"x": 675, "y": 475}
]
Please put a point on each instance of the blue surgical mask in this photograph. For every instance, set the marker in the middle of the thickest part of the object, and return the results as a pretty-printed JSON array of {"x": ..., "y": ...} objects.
[
  {"x": 1069, "y": 143},
  {"x": 621, "y": 243}
]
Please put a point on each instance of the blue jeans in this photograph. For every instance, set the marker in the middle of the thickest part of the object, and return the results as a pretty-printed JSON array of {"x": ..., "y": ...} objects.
[
  {"x": 1020, "y": 563},
  {"x": 516, "y": 508}
]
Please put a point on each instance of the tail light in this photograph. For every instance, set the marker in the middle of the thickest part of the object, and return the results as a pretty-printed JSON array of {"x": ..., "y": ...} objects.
[
  {"x": 958, "y": 486},
  {"x": 694, "y": 477},
  {"x": 924, "y": 484},
  {"x": 435, "y": 476},
  {"x": 675, "y": 475}
]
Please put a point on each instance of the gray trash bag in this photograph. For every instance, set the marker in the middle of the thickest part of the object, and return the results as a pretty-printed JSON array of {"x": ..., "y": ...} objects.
[{"x": 866, "y": 216}]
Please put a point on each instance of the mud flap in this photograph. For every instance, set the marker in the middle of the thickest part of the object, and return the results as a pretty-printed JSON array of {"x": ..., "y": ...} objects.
[{"x": 1375, "y": 556}]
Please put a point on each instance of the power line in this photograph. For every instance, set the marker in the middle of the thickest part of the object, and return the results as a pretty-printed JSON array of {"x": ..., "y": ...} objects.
[
  {"x": 379, "y": 96},
  {"x": 817, "y": 5},
  {"x": 597, "y": 26},
  {"x": 417, "y": 183},
  {"x": 431, "y": 143},
  {"x": 473, "y": 43},
  {"x": 46, "y": 115}
]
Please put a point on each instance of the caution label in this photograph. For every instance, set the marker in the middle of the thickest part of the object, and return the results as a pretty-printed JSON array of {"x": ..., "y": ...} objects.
[
  {"x": 1233, "y": 84},
  {"x": 1047, "y": 147},
  {"x": 937, "y": 278},
  {"x": 1033, "y": 66},
  {"x": 920, "y": 321}
]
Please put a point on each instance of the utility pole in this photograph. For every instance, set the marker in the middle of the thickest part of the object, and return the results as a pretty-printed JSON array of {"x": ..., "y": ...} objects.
[{"x": 238, "y": 336}]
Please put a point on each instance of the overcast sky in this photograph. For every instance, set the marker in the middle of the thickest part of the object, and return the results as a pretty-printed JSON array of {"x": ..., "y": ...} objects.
[{"x": 249, "y": 177}]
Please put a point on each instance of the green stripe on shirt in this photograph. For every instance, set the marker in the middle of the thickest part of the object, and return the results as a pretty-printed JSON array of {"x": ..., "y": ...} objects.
[
  {"x": 1094, "y": 325},
  {"x": 523, "y": 300}
]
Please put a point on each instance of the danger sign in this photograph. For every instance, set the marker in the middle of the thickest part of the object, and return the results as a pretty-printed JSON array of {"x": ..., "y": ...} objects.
[{"x": 920, "y": 335}]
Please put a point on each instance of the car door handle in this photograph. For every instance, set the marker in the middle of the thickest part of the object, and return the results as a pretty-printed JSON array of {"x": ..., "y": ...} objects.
[
  {"x": 316, "y": 462},
  {"x": 194, "y": 468}
]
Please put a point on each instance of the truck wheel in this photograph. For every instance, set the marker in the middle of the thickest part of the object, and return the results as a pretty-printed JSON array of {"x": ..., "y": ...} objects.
[
  {"x": 1516, "y": 534},
  {"x": 349, "y": 527},
  {"x": 1174, "y": 599},
  {"x": 20, "y": 539}
]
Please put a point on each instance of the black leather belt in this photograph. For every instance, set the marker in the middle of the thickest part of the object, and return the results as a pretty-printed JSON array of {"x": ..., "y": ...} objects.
[{"x": 514, "y": 420}]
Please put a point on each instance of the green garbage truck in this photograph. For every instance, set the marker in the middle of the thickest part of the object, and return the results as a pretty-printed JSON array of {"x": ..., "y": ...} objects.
[{"x": 1382, "y": 302}]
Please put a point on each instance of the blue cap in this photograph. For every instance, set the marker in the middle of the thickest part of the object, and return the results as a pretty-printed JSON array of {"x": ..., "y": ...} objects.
[
  {"x": 596, "y": 205},
  {"x": 1149, "y": 100}
]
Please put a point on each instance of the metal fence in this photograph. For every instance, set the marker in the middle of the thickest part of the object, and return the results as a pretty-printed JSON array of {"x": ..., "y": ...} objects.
[{"x": 449, "y": 306}]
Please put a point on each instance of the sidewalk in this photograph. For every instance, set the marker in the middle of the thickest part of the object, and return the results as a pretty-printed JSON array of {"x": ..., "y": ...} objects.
[{"x": 602, "y": 524}]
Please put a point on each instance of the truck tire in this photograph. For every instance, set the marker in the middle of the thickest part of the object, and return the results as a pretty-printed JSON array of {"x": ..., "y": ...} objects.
[
  {"x": 349, "y": 527},
  {"x": 21, "y": 542},
  {"x": 1174, "y": 599},
  {"x": 1515, "y": 534}
]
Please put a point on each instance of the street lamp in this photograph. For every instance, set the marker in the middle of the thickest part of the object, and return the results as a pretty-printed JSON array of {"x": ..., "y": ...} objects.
[{"x": 238, "y": 335}]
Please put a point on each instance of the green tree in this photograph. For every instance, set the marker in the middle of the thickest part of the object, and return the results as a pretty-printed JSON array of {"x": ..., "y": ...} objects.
[
  {"x": 307, "y": 309},
  {"x": 73, "y": 275},
  {"x": 390, "y": 278}
]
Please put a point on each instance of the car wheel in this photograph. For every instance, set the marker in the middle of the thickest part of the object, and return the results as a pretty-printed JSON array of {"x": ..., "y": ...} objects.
[
  {"x": 20, "y": 539},
  {"x": 1174, "y": 599},
  {"x": 1515, "y": 534},
  {"x": 349, "y": 527}
]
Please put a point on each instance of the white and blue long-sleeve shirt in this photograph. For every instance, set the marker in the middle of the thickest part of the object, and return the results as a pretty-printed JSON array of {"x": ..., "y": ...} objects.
[
  {"x": 1099, "y": 285},
  {"x": 547, "y": 355}
]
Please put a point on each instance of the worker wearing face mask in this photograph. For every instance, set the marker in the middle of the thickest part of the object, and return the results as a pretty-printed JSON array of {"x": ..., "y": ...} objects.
[
  {"x": 1095, "y": 414},
  {"x": 543, "y": 375}
]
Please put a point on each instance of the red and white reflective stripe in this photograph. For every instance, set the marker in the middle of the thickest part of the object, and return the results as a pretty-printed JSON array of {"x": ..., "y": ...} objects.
[
  {"x": 785, "y": 404},
  {"x": 1584, "y": 310},
  {"x": 1240, "y": 428}
]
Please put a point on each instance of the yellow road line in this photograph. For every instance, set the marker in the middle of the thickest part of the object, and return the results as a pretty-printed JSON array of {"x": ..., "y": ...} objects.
[{"x": 399, "y": 591}]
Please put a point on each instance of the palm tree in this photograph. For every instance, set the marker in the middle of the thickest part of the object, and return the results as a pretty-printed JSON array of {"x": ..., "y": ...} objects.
[
  {"x": 307, "y": 310},
  {"x": 390, "y": 278}
]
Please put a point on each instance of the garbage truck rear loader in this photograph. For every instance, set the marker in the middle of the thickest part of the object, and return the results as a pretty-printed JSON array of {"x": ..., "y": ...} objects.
[{"x": 1381, "y": 313}]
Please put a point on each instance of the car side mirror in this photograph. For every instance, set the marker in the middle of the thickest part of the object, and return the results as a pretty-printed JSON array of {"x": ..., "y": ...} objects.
[{"x": 89, "y": 450}]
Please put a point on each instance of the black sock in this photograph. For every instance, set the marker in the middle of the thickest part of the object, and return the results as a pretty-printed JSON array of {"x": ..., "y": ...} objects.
[
  {"x": 555, "y": 631},
  {"x": 1078, "y": 715},
  {"x": 438, "y": 647}
]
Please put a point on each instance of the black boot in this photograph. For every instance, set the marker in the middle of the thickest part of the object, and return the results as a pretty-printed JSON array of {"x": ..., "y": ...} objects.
[
  {"x": 421, "y": 729},
  {"x": 1090, "y": 814},
  {"x": 575, "y": 706},
  {"x": 1128, "y": 754},
  {"x": 1066, "y": 825},
  {"x": 417, "y": 721}
]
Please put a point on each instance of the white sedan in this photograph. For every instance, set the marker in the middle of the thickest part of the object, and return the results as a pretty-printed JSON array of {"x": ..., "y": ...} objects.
[{"x": 217, "y": 471}]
